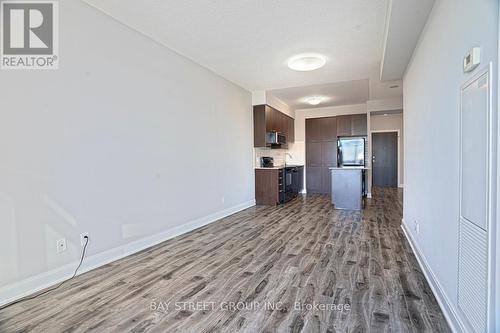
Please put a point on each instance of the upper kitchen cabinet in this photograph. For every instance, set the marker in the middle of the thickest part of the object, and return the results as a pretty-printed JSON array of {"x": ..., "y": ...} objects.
[
  {"x": 268, "y": 119},
  {"x": 321, "y": 129},
  {"x": 313, "y": 130},
  {"x": 291, "y": 129},
  {"x": 352, "y": 125},
  {"x": 271, "y": 120},
  {"x": 344, "y": 126},
  {"x": 358, "y": 125},
  {"x": 328, "y": 129}
]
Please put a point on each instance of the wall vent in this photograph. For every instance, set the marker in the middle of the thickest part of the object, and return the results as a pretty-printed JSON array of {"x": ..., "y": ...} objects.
[{"x": 473, "y": 274}]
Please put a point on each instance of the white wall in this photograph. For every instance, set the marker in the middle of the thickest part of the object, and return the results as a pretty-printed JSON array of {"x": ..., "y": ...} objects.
[
  {"x": 387, "y": 104},
  {"x": 127, "y": 141},
  {"x": 278, "y": 104},
  {"x": 431, "y": 122},
  {"x": 264, "y": 97},
  {"x": 259, "y": 97}
]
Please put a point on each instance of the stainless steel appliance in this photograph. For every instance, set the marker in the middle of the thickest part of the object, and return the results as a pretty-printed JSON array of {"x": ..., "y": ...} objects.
[
  {"x": 351, "y": 151},
  {"x": 275, "y": 138}
]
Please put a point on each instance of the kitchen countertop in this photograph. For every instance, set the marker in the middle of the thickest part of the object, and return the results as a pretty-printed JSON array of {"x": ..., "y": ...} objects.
[{"x": 280, "y": 167}]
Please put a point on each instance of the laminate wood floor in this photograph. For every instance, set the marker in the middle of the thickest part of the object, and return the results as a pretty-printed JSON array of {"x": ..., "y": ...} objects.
[{"x": 303, "y": 267}]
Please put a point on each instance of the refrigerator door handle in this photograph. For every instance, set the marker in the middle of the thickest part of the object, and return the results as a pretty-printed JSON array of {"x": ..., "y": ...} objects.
[{"x": 339, "y": 159}]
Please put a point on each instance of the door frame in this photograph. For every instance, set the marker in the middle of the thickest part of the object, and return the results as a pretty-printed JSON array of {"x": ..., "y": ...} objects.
[{"x": 399, "y": 153}]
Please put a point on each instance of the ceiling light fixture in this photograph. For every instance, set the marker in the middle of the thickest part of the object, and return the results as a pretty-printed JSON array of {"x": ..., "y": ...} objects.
[
  {"x": 313, "y": 100},
  {"x": 306, "y": 62}
]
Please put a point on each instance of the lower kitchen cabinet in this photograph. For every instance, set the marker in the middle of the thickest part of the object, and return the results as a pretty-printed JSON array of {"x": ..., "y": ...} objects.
[
  {"x": 268, "y": 186},
  {"x": 275, "y": 186},
  {"x": 314, "y": 179}
]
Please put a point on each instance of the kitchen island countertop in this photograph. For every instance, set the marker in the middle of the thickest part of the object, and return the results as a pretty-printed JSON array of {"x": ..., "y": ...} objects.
[{"x": 349, "y": 168}]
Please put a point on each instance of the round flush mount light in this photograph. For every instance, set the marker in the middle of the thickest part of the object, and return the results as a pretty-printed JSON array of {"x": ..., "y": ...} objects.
[
  {"x": 313, "y": 100},
  {"x": 306, "y": 62}
]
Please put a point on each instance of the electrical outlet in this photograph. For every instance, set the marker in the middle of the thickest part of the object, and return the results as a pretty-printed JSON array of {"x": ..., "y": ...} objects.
[
  {"x": 223, "y": 199},
  {"x": 416, "y": 227},
  {"x": 83, "y": 240},
  {"x": 61, "y": 245}
]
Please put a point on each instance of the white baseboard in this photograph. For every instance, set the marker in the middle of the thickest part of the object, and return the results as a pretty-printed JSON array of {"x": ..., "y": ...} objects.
[
  {"x": 33, "y": 284},
  {"x": 452, "y": 317},
  {"x": 369, "y": 195},
  {"x": 401, "y": 185}
]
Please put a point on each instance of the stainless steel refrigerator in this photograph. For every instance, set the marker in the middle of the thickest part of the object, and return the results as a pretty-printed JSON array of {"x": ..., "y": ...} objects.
[{"x": 351, "y": 151}]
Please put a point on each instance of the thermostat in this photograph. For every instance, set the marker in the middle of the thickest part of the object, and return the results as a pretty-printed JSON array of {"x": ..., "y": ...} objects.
[{"x": 472, "y": 59}]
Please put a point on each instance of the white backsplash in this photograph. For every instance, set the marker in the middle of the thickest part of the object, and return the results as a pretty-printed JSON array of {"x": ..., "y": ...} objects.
[
  {"x": 279, "y": 155},
  {"x": 298, "y": 152},
  {"x": 295, "y": 154}
]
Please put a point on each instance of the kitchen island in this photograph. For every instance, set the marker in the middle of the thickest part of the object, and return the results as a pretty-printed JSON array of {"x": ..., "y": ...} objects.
[{"x": 347, "y": 187}]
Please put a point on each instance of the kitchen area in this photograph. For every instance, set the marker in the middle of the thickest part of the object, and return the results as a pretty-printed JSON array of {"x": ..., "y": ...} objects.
[
  {"x": 277, "y": 179},
  {"x": 335, "y": 158}
]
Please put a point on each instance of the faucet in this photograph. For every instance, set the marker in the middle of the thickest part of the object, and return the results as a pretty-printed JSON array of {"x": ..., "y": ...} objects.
[{"x": 289, "y": 155}]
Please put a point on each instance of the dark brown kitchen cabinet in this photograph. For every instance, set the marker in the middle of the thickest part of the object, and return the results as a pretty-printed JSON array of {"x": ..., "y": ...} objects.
[
  {"x": 276, "y": 121},
  {"x": 313, "y": 130},
  {"x": 268, "y": 119},
  {"x": 328, "y": 127},
  {"x": 271, "y": 119},
  {"x": 358, "y": 125},
  {"x": 283, "y": 127},
  {"x": 352, "y": 125},
  {"x": 321, "y": 153},
  {"x": 291, "y": 130},
  {"x": 314, "y": 179},
  {"x": 261, "y": 125},
  {"x": 321, "y": 129},
  {"x": 267, "y": 186},
  {"x": 313, "y": 156},
  {"x": 329, "y": 153},
  {"x": 344, "y": 126}
]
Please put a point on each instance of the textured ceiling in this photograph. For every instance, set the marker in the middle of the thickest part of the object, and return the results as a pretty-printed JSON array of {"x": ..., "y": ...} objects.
[{"x": 249, "y": 41}]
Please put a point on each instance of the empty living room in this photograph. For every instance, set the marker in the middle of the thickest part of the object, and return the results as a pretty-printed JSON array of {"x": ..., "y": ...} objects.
[{"x": 249, "y": 166}]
